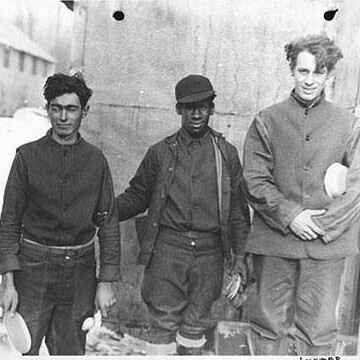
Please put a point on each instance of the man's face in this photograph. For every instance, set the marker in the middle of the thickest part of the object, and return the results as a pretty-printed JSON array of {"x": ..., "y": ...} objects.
[
  {"x": 309, "y": 81},
  {"x": 65, "y": 115},
  {"x": 195, "y": 117}
]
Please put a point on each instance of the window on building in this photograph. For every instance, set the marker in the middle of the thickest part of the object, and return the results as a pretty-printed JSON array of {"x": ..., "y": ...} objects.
[
  {"x": 6, "y": 59},
  {"x": 34, "y": 65},
  {"x": 45, "y": 68},
  {"x": 21, "y": 61}
]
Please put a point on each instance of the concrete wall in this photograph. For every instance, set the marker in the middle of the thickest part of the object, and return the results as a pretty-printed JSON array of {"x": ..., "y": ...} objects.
[{"x": 133, "y": 65}]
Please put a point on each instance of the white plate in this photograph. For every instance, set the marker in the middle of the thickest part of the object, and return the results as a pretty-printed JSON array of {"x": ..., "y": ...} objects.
[
  {"x": 335, "y": 180},
  {"x": 17, "y": 332}
]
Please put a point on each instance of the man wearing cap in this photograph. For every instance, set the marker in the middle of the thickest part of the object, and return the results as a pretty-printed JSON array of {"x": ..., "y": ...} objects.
[
  {"x": 47, "y": 256},
  {"x": 300, "y": 234},
  {"x": 197, "y": 216}
]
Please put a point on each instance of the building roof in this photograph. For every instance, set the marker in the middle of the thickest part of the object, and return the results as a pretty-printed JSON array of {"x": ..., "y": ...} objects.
[{"x": 12, "y": 36}]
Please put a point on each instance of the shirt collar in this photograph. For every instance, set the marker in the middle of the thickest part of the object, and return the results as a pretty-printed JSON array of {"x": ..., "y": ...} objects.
[
  {"x": 53, "y": 141},
  {"x": 188, "y": 140},
  {"x": 307, "y": 104}
]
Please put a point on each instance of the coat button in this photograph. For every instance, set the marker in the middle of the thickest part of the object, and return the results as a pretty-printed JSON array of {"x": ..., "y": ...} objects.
[
  {"x": 193, "y": 243},
  {"x": 307, "y": 168}
]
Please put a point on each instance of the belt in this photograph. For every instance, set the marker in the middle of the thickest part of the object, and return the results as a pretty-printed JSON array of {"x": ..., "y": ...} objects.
[
  {"x": 60, "y": 250},
  {"x": 199, "y": 241},
  {"x": 191, "y": 234}
]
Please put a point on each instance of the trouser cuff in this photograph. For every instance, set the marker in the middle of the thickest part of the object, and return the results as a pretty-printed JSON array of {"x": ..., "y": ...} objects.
[
  {"x": 190, "y": 343},
  {"x": 161, "y": 349}
]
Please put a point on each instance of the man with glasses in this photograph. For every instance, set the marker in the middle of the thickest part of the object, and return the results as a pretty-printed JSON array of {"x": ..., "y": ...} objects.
[
  {"x": 197, "y": 216},
  {"x": 55, "y": 187}
]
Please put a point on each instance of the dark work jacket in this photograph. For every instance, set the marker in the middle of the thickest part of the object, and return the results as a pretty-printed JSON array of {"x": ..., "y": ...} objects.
[
  {"x": 150, "y": 186},
  {"x": 51, "y": 196}
]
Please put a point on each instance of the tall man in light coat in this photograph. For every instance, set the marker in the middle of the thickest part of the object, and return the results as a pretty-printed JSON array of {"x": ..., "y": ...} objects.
[{"x": 301, "y": 236}]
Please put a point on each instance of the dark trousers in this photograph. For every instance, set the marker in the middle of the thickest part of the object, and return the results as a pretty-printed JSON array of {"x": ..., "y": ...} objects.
[
  {"x": 56, "y": 294},
  {"x": 296, "y": 298},
  {"x": 181, "y": 283}
]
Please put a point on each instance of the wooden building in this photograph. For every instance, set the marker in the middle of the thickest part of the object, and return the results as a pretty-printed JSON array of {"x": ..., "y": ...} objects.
[{"x": 24, "y": 67}]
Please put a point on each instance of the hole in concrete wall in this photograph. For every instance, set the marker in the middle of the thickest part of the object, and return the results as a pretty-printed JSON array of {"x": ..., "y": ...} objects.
[
  {"x": 329, "y": 15},
  {"x": 118, "y": 15}
]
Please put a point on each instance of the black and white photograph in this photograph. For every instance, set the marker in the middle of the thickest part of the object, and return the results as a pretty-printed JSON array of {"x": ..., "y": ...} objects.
[{"x": 180, "y": 178}]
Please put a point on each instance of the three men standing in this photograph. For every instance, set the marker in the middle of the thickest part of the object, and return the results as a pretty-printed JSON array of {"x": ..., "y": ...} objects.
[
  {"x": 192, "y": 185},
  {"x": 301, "y": 235}
]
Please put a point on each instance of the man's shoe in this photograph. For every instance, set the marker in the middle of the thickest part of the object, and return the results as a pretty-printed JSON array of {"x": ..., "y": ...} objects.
[{"x": 182, "y": 350}]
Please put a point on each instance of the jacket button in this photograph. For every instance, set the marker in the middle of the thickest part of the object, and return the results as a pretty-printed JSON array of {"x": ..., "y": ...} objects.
[
  {"x": 307, "y": 168},
  {"x": 154, "y": 224},
  {"x": 171, "y": 169}
]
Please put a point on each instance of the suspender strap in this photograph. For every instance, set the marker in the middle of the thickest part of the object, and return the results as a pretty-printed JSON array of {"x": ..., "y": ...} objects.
[{"x": 218, "y": 163}]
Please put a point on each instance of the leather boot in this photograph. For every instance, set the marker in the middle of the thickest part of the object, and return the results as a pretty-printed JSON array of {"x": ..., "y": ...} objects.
[{"x": 182, "y": 350}]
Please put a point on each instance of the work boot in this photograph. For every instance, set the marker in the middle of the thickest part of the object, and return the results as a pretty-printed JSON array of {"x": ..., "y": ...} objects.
[
  {"x": 182, "y": 350},
  {"x": 264, "y": 346}
]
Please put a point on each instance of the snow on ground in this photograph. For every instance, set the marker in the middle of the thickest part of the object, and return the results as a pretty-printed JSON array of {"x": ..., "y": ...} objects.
[
  {"x": 27, "y": 124},
  {"x": 103, "y": 341}
]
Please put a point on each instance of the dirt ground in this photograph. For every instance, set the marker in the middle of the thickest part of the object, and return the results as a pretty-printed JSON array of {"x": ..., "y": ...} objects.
[{"x": 103, "y": 341}]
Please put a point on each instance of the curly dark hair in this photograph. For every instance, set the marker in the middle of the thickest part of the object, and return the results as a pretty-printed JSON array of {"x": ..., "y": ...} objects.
[
  {"x": 325, "y": 51},
  {"x": 59, "y": 84}
]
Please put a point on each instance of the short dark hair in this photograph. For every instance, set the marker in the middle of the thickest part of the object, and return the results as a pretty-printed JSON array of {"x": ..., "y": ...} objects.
[
  {"x": 325, "y": 51},
  {"x": 59, "y": 84}
]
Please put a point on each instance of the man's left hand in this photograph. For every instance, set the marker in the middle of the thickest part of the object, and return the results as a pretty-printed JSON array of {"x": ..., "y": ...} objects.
[
  {"x": 240, "y": 266},
  {"x": 104, "y": 298}
]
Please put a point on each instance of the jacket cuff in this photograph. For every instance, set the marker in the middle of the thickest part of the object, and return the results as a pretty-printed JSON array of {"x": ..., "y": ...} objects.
[
  {"x": 109, "y": 273},
  {"x": 291, "y": 216},
  {"x": 325, "y": 238},
  {"x": 9, "y": 263}
]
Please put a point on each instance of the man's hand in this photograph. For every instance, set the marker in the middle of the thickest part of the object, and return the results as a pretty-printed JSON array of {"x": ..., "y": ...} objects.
[
  {"x": 10, "y": 299},
  {"x": 304, "y": 227},
  {"x": 104, "y": 298},
  {"x": 239, "y": 266}
]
